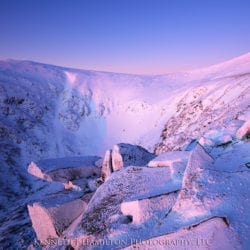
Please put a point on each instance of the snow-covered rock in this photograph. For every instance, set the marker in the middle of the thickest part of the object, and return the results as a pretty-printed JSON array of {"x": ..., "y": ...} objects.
[
  {"x": 189, "y": 202},
  {"x": 106, "y": 166},
  {"x": 159, "y": 210},
  {"x": 53, "y": 215},
  {"x": 65, "y": 169},
  {"x": 169, "y": 159},
  {"x": 124, "y": 155},
  {"x": 212, "y": 105},
  {"x": 134, "y": 155},
  {"x": 130, "y": 184},
  {"x": 221, "y": 136},
  {"x": 208, "y": 191},
  {"x": 146, "y": 209},
  {"x": 117, "y": 161}
]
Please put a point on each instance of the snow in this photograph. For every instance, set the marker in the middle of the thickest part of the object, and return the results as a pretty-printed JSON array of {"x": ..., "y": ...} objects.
[
  {"x": 207, "y": 202},
  {"x": 128, "y": 184},
  {"x": 64, "y": 115},
  {"x": 142, "y": 210},
  {"x": 211, "y": 234}
]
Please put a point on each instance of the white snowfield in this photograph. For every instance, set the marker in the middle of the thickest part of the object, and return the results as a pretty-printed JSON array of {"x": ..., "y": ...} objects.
[{"x": 64, "y": 115}]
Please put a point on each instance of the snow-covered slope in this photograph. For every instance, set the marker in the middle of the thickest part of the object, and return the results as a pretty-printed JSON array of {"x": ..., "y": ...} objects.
[{"x": 53, "y": 112}]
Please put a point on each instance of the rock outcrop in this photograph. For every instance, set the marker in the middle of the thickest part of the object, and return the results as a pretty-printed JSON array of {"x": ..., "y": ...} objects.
[
  {"x": 68, "y": 170},
  {"x": 50, "y": 219},
  {"x": 51, "y": 215},
  {"x": 106, "y": 166},
  {"x": 181, "y": 195},
  {"x": 152, "y": 207},
  {"x": 189, "y": 202},
  {"x": 117, "y": 160},
  {"x": 124, "y": 155}
]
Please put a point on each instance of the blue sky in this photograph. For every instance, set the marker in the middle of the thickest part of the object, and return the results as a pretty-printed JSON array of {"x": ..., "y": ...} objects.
[{"x": 132, "y": 36}]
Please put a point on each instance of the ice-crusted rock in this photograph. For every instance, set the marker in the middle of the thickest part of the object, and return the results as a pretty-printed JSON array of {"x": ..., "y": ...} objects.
[
  {"x": 244, "y": 131},
  {"x": 117, "y": 161},
  {"x": 42, "y": 223},
  {"x": 106, "y": 166},
  {"x": 220, "y": 136},
  {"x": 198, "y": 160},
  {"x": 124, "y": 155},
  {"x": 213, "y": 188},
  {"x": 189, "y": 208},
  {"x": 134, "y": 155},
  {"x": 130, "y": 184},
  {"x": 169, "y": 159},
  {"x": 53, "y": 215},
  {"x": 189, "y": 202},
  {"x": 146, "y": 209},
  {"x": 65, "y": 169}
]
